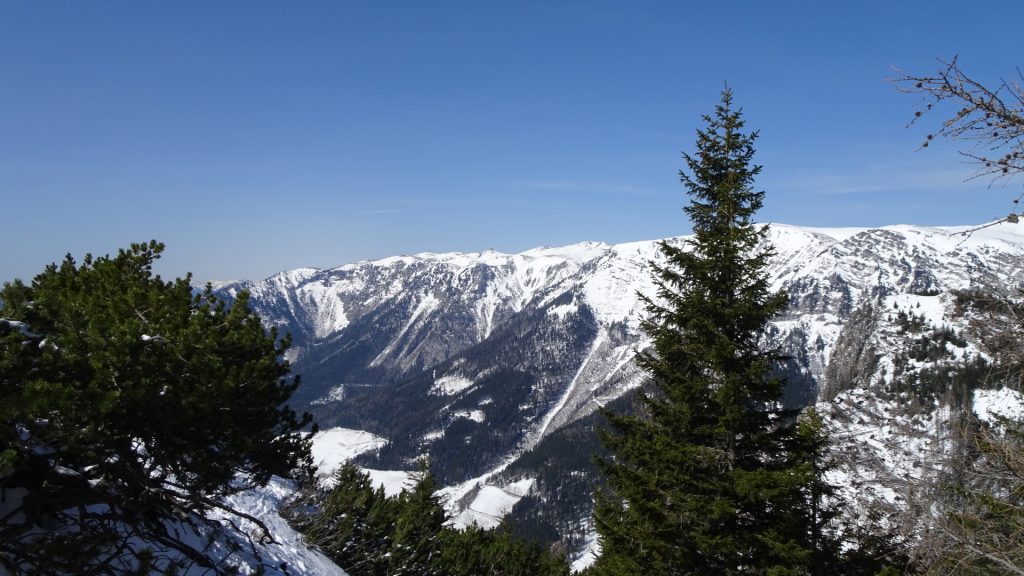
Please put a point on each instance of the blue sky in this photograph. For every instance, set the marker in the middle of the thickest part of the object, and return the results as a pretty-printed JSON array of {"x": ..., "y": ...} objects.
[{"x": 254, "y": 137}]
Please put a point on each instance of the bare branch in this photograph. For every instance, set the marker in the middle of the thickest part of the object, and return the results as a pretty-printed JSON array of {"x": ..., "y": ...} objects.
[{"x": 990, "y": 119}]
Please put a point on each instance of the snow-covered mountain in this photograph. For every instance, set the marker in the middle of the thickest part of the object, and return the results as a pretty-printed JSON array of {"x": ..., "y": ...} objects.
[
  {"x": 478, "y": 359},
  {"x": 376, "y": 325}
]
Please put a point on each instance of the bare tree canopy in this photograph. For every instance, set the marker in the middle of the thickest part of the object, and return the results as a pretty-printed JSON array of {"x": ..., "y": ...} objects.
[{"x": 990, "y": 119}]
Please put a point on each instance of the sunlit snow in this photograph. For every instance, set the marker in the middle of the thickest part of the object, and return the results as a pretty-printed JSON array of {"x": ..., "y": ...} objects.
[
  {"x": 450, "y": 384},
  {"x": 335, "y": 446}
]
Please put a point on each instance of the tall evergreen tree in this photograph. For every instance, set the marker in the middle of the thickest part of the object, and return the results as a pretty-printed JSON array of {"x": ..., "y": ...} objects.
[{"x": 712, "y": 476}]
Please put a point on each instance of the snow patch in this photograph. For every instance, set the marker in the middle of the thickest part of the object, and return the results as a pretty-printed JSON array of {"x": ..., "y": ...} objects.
[
  {"x": 288, "y": 554},
  {"x": 450, "y": 384},
  {"x": 491, "y": 503},
  {"x": 989, "y": 405},
  {"x": 433, "y": 435},
  {"x": 563, "y": 310},
  {"x": 393, "y": 481},
  {"x": 474, "y": 415},
  {"x": 19, "y": 326},
  {"x": 931, "y": 308},
  {"x": 335, "y": 394},
  {"x": 335, "y": 446},
  {"x": 587, "y": 557}
]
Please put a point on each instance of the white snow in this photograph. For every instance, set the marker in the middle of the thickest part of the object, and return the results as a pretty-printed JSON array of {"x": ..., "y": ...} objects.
[
  {"x": 611, "y": 290},
  {"x": 839, "y": 234},
  {"x": 881, "y": 449},
  {"x": 450, "y": 384},
  {"x": 491, "y": 503},
  {"x": 563, "y": 310},
  {"x": 335, "y": 446},
  {"x": 393, "y": 481},
  {"x": 591, "y": 550},
  {"x": 1002, "y": 403},
  {"x": 929, "y": 307},
  {"x": 335, "y": 394},
  {"x": 433, "y": 435},
  {"x": 20, "y": 327},
  {"x": 543, "y": 428},
  {"x": 474, "y": 415},
  {"x": 288, "y": 554},
  {"x": 326, "y": 306}
]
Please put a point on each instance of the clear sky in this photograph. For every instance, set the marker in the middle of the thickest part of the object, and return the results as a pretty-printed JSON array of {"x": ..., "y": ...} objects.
[{"x": 254, "y": 137}]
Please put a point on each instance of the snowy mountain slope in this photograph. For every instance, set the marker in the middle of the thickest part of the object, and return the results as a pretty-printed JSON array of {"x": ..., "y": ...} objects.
[
  {"x": 477, "y": 358},
  {"x": 383, "y": 322}
]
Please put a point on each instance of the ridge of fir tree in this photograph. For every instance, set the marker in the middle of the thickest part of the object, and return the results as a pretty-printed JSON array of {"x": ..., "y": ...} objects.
[{"x": 712, "y": 475}]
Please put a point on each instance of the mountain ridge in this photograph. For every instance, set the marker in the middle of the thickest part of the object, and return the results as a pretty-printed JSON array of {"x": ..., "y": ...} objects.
[{"x": 476, "y": 359}]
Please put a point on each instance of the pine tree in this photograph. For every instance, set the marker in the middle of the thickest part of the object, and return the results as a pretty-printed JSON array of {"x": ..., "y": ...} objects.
[
  {"x": 712, "y": 475},
  {"x": 418, "y": 526},
  {"x": 126, "y": 401}
]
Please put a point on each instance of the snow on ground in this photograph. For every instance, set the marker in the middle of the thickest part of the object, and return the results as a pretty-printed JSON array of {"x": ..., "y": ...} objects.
[
  {"x": 427, "y": 303},
  {"x": 474, "y": 415},
  {"x": 288, "y": 554},
  {"x": 335, "y": 394},
  {"x": 879, "y": 446},
  {"x": 491, "y": 503},
  {"x": 612, "y": 288},
  {"x": 567, "y": 395},
  {"x": 456, "y": 496},
  {"x": 335, "y": 446},
  {"x": 564, "y": 310},
  {"x": 450, "y": 384},
  {"x": 1005, "y": 403},
  {"x": 932, "y": 308},
  {"x": 840, "y": 234},
  {"x": 323, "y": 299},
  {"x": 591, "y": 550},
  {"x": 393, "y": 481},
  {"x": 433, "y": 435}
]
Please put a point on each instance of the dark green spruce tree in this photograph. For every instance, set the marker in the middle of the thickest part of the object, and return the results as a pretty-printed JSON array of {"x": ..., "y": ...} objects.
[{"x": 713, "y": 475}]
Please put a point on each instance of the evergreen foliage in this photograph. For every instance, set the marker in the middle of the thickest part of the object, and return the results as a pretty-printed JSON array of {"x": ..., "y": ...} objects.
[
  {"x": 126, "y": 401},
  {"x": 713, "y": 476},
  {"x": 370, "y": 534}
]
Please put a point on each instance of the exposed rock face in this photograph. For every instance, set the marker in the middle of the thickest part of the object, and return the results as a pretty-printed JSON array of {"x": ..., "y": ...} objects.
[{"x": 854, "y": 354}]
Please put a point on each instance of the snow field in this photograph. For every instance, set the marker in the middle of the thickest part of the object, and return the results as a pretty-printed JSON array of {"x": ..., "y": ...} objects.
[
  {"x": 335, "y": 446},
  {"x": 491, "y": 503},
  {"x": 450, "y": 385}
]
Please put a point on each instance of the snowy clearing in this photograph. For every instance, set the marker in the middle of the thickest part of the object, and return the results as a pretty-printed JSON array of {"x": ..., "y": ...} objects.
[{"x": 335, "y": 446}]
